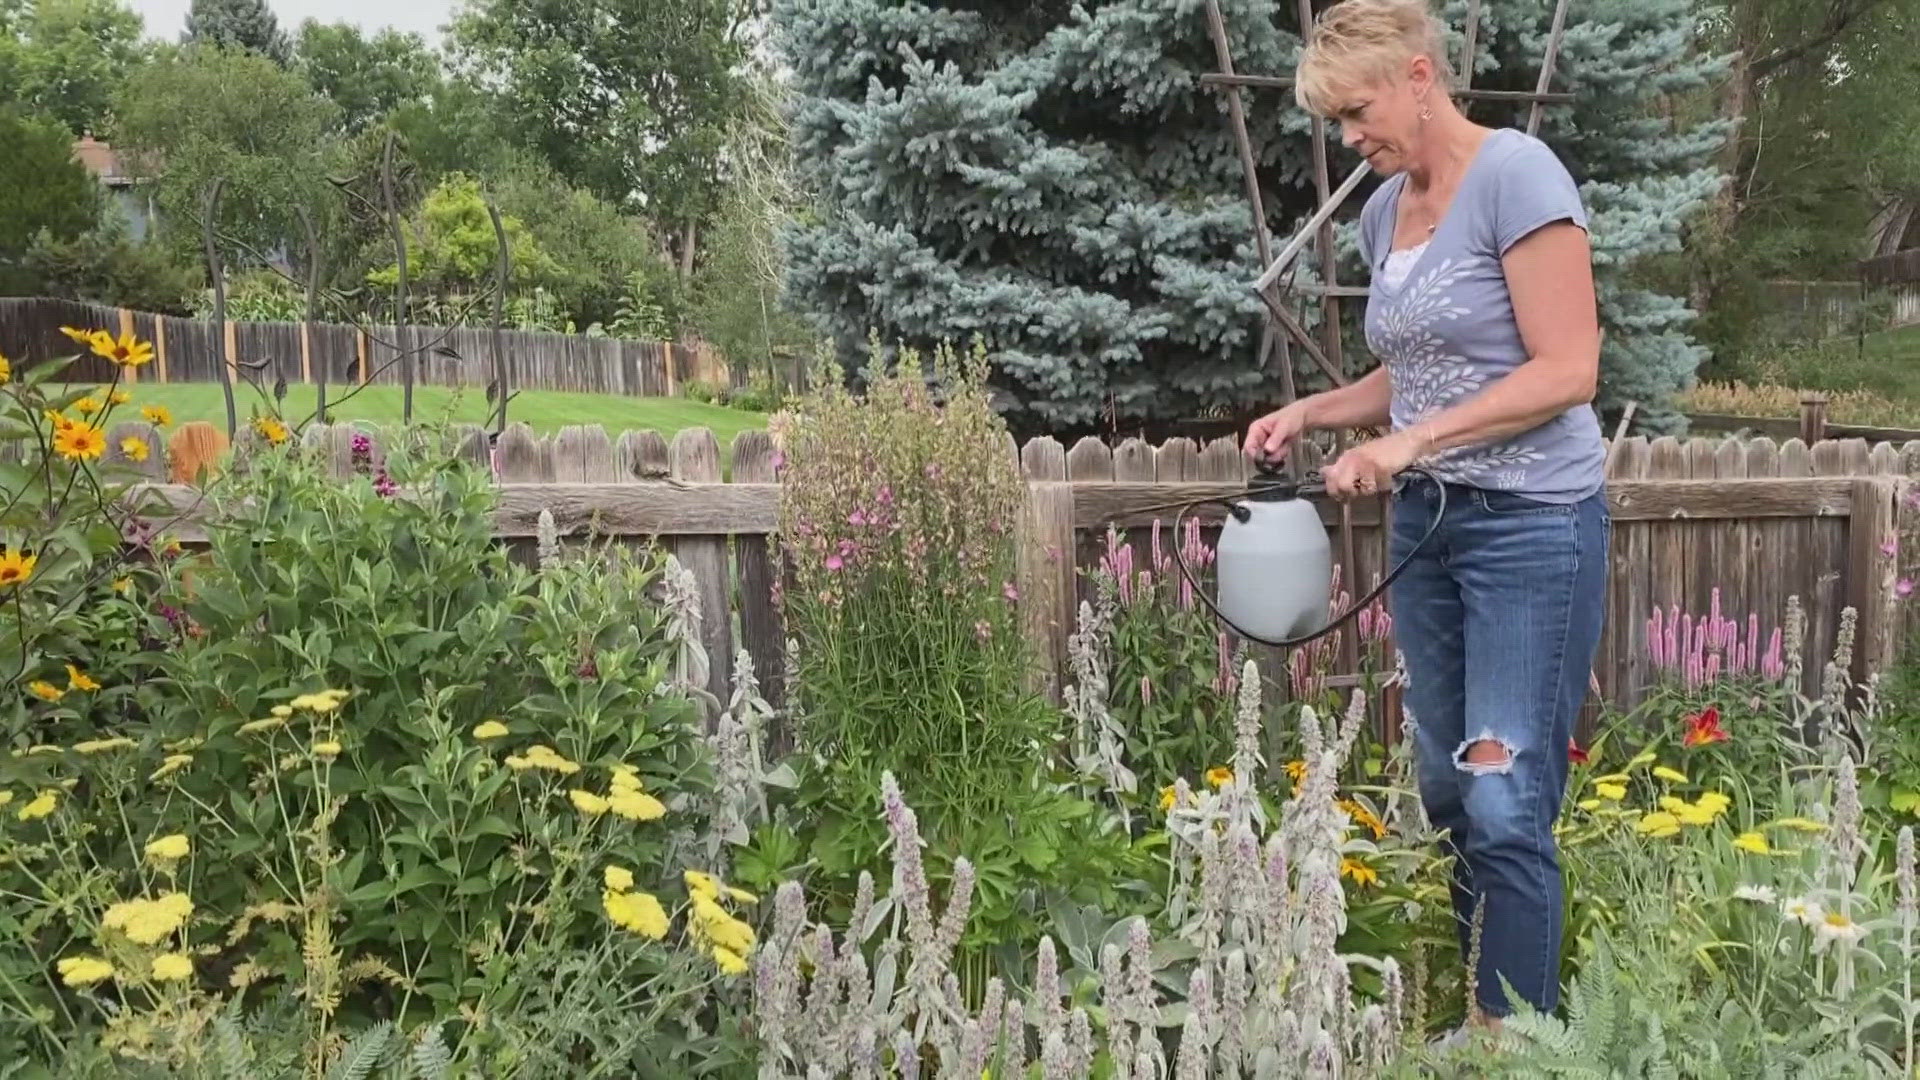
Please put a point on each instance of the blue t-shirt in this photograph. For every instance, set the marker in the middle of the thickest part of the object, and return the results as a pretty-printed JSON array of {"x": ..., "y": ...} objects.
[{"x": 1447, "y": 331}]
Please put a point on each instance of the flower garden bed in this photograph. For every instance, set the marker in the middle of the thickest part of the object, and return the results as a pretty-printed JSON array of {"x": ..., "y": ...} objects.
[{"x": 349, "y": 788}]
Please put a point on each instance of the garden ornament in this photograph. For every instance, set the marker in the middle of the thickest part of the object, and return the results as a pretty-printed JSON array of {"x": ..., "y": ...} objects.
[{"x": 1274, "y": 561}]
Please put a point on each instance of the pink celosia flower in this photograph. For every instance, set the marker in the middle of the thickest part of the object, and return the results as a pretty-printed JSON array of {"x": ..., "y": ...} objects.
[{"x": 1903, "y": 588}]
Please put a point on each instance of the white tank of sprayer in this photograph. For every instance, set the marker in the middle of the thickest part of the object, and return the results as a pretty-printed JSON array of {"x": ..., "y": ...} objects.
[{"x": 1275, "y": 567}]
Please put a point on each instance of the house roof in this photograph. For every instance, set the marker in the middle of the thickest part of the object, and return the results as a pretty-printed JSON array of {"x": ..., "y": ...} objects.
[{"x": 101, "y": 160}]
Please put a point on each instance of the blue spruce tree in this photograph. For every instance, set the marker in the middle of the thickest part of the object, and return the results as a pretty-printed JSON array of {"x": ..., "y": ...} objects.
[{"x": 1054, "y": 178}]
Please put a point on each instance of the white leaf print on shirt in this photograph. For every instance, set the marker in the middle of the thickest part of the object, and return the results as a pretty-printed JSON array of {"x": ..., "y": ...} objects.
[{"x": 1428, "y": 378}]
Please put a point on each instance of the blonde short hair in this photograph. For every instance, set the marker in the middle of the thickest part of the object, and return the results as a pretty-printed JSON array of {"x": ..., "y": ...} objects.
[{"x": 1357, "y": 43}]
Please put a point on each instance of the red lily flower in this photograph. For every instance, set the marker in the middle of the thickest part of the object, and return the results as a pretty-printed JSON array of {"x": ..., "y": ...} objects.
[
  {"x": 1704, "y": 727},
  {"x": 1576, "y": 755}
]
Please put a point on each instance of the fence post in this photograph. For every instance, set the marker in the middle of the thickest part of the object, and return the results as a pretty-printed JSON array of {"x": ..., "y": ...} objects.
[
  {"x": 160, "y": 346},
  {"x": 1873, "y": 565},
  {"x": 126, "y": 331},
  {"x": 1813, "y": 418},
  {"x": 1048, "y": 597}
]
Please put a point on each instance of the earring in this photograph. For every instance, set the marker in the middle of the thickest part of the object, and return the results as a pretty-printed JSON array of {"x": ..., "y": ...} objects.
[{"x": 1426, "y": 111}]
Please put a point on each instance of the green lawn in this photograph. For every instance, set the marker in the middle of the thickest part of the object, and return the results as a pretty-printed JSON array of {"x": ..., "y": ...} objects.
[
  {"x": 1886, "y": 364},
  {"x": 546, "y": 411}
]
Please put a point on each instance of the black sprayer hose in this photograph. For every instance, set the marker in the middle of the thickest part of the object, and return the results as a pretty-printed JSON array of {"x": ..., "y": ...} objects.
[{"x": 1300, "y": 489}]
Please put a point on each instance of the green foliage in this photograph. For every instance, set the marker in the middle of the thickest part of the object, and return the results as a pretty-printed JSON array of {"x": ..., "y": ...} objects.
[
  {"x": 398, "y": 769},
  {"x": 625, "y": 98},
  {"x": 366, "y": 76},
  {"x": 241, "y": 24},
  {"x": 105, "y": 266},
  {"x": 596, "y": 248},
  {"x": 900, "y": 510},
  {"x": 64, "y": 59},
  {"x": 1057, "y": 179},
  {"x": 210, "y": 112},
  {"x": 48, "y": 193},
  {"x": 60, "y": 548},
  {"x": 452, "y": 249}
]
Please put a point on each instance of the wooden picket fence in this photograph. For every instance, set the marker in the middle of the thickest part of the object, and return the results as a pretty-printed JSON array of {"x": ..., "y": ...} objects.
[
  {"x": 191, "y": 350},
  {"x": 1753, "y": 521}
]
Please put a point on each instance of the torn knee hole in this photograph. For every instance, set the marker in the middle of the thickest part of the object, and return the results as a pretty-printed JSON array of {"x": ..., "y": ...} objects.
[{"x": 1484, "y": 756}]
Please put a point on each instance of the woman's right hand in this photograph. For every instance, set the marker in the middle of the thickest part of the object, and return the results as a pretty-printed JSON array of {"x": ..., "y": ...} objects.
[{"x": 1272, "y": 436}]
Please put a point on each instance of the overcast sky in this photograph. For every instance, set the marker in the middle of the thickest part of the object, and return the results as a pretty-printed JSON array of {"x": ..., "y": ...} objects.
[{"x": 166, "y": 18}]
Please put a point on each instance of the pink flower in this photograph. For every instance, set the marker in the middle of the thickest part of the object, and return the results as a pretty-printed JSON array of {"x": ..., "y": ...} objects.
[
  {"x": 1903, "y": 588},
  {"x": 886, "y": 495},
  {"x": 1011, "y": 592},
  {"x": 835, "y": 562},
  {"x": 779, "y": 461},
  {"x": 1889, "y": 547},
  {"x": 856, "y": 519}
]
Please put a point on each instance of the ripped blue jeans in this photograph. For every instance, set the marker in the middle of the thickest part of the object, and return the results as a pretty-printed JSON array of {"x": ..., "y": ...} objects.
[{"x": 1498, "y": 619}]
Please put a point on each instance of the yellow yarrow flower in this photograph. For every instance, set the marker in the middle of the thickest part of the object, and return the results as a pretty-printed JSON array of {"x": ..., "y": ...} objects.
[
  {"x": 701, "y": 884},
  {"x": 1671, "y": 774},
  {"x": 587, "y": 802},
  {"x": 325, "y": 701},
  {"x": 544, "y": 757},
  {"x": 518, "y": 763},
  {"x": 636, "y": 805},
  {"x": 1611, "y": 792},
  {"x": 1658, "y": 825},
  {"x": 101, "y": 746},
  {"x": 1799, "y": 824},
  {"x": 742, "y": 896},
  {"x": 171, "y": 764},
  {"x": 1753, "y": 842},
  {"x": 172, "y": 967},
  {"x": 264, "y": 724},
  {"x": 729, "y": 962},
  {"x": 326, "y": 750},
  {"x": 491, "y": 729},
  {"x": 84, "y": 970},
  {"x": 639, "y": 913},
  {"x": 43, "y": 804},
  {"x": 15, "y": 567},
  {"x": 717, "y": 926},
  {"x": 147, "y": 922},
  {"x": 169, "y": 849},
  {"x": 1645, "y": 757},
  {"x": 618, "y": 878}
]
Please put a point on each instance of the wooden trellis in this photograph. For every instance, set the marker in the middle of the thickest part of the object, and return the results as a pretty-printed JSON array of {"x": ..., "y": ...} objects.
[{"x": 1282, "y": 329}]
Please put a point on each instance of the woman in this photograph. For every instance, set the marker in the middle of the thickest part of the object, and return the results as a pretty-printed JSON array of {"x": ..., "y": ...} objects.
[{"x": 1481, "y": 307}]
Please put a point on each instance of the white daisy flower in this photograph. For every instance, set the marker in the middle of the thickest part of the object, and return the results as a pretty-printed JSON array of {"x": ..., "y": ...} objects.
[
  {"x": 1759, "y": 894},
  {"x": 1802, "y": 910},
  {"x": 1834, "y": 927}
]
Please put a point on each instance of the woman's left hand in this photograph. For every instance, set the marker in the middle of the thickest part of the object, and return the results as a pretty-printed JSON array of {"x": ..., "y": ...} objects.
[{"x": 1369, "y": 468}]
